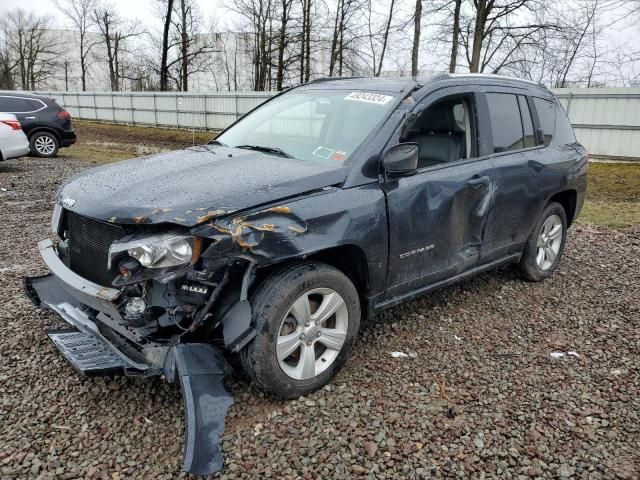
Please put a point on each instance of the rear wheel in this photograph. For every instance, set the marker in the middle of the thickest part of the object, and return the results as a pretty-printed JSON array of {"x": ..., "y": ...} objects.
[
  {"x": 308, "y": 317},
  {"x": 44, "y": 144},
  {"x": 545, "y": 245}
]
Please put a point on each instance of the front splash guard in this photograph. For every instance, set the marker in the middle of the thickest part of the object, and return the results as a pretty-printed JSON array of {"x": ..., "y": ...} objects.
[{"x": 200, "y": 367}]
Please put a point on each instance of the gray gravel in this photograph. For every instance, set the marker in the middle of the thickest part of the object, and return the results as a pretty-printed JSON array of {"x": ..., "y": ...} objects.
[{"x": 477, "y": 395}]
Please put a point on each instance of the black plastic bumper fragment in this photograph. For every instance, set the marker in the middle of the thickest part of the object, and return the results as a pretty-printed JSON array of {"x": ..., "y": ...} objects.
[
  {"x": 30, "y": 291},
  {"x": 201, "y": 369}
]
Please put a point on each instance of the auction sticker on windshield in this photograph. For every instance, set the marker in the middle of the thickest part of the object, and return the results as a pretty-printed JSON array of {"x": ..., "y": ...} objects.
[{"x": 376, "y": 98}]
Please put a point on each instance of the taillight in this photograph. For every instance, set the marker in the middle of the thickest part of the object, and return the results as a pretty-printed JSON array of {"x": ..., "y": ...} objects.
[
  {"x": 14, "y": 124},
  {"x": 63, "y": 114}
]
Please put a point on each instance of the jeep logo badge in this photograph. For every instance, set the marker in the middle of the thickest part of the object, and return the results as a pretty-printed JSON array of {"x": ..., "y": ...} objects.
[{"x": 68, "y": 202}]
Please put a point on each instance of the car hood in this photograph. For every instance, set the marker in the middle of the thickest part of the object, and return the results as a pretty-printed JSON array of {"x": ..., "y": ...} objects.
[{"x": 192, "y": 186}]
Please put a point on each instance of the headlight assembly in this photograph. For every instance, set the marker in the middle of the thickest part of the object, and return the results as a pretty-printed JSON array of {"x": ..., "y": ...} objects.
[{"x": 160, "y": 251}]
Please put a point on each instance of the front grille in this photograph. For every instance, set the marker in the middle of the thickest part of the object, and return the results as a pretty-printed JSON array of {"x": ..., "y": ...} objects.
[{"x": 89, "y": 242}]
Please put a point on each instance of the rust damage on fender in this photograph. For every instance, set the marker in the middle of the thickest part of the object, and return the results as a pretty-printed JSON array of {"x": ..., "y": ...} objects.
[
  {"x": 208, "y": 216},
  {"x": 244, "y": 234}
]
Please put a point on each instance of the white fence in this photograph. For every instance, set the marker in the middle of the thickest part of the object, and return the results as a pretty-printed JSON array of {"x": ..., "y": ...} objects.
[
  {"x": 606, "y": 120},
  {"x": 208, "y": 111}
]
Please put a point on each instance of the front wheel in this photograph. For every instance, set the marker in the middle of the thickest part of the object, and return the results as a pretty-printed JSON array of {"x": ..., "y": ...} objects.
[
  {"x": 545, "y": 245},
  {"x": 308, "y": 317}
]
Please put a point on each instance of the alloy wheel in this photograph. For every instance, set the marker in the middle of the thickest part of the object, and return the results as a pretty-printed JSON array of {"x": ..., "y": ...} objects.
[
  {"x": 45, "y": 145},
  {"x": 549, "y": 242},
  {"x": 312, "y": 333}
]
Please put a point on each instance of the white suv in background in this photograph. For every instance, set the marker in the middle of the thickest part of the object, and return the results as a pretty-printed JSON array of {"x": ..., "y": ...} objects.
[{"x": 13, "y": 141}]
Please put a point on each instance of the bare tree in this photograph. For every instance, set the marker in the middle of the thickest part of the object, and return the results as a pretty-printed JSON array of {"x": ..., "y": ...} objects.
[
  {"x": 115, "y": 33},
  {"x": 30, "y": 51},
  {"x": 6, "y": 69},
  {"x": 80, "y": 14},
  {"x": 378, "y": 40}
]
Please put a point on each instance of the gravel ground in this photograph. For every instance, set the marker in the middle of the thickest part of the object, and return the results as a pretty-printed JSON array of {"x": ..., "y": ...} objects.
[{"x": 477, "y": 396}]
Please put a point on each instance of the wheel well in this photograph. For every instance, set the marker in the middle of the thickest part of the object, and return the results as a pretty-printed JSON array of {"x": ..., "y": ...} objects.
[
  {"x": 568, "y": 200},
  {"x": 44, "y": 129},
  {"x": 349, "y": 259}
]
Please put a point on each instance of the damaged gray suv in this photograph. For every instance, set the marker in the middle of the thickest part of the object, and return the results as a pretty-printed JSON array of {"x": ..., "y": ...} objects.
[{"x": 321, "y": 207}]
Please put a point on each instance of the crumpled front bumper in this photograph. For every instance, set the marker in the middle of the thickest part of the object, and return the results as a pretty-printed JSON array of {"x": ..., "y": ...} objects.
[{"x": 100, "y": 343}]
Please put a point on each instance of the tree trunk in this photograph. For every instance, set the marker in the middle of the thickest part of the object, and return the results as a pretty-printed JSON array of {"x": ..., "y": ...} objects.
[
  {"x": 23, "y": 66},
  {"x": 83, "y": 63},
  {"x": 164, "y": 74},
  {"x": 334, "y": 41},
  {"x": 455, "y": 38},
  {"x": 282, "y": 44},
  {"x": 116, "y": 64},
  {"x": 303, "y": 38},
  {"x": 385, "y": 39},
  {"x": 307, "y": 62},
  {"x": 184, "y": 47},
  {"x": 478, "y": 35},
  {"x": 416, "y": 38}
]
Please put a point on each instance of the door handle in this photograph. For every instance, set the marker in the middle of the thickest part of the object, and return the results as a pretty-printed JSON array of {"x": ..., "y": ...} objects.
[
  {"x": 30, "y": 118},
  {"x": 478, "y": 181}
]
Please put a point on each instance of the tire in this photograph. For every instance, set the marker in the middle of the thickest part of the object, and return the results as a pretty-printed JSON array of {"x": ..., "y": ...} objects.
[
  {"x": 44, "y": 144},
  {"x": 275, "y": 317},
  {"x": 543, "y": 249}
]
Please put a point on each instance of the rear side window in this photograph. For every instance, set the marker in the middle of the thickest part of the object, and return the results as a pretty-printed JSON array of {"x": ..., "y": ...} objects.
[
  {"x": 547, "y": 116},
  {"x": 14, "y": 105},
  {"x": 35, "y": 105},
  {"x": 506, "y": 125},
  {"x": 527, "y": 124}
]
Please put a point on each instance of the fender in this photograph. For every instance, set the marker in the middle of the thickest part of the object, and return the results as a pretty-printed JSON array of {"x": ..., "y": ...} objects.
[{"x": 306, "y": 226}]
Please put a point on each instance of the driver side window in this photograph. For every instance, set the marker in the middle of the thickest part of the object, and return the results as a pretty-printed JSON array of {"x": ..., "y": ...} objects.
[{"x": 444, "y": 131}]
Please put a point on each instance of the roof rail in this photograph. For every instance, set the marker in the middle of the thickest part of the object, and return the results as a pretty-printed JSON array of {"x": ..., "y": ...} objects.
[{"x": 489, "y": 76}]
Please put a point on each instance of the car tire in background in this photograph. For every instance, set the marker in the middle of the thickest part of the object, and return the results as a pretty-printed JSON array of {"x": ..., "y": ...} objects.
[
  {"x": 308, "y": 317},
  {"x": 544, "y": 247},
  {"x": 44, "y": 144}
]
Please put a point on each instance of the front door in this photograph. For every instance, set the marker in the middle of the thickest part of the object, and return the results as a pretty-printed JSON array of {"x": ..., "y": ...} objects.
[{"x": 438, "y": 214}]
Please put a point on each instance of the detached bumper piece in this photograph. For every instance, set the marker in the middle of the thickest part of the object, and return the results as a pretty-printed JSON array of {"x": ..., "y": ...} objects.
[{"x": 199, "y": 367}]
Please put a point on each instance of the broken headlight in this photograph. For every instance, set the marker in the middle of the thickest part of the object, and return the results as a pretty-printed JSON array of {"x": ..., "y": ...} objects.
[{"x": 160, "y": 251}]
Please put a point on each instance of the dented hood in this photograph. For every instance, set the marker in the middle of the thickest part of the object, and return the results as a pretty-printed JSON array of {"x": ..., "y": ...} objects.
[{"x": 191, "y": 186}]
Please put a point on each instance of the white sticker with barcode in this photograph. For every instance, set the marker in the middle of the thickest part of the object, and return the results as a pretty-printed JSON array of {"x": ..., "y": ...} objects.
[{"x": 368, "y": 97}]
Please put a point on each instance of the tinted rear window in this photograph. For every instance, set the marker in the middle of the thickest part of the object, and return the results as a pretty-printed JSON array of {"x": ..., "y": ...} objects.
[
  {"x": 506, "y": 125},
  {"x": 35, "y": 104},
  {"x": 547, "y": 116}
]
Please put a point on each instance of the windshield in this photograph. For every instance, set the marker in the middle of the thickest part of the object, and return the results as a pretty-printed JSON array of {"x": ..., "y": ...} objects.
[{"x": 313, "y": 125}]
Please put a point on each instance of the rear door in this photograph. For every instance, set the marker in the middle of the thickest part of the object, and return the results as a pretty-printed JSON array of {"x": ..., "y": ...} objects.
[
  {"x": 437, "y": 215},
  {"x": 519, "y": 171},
  {"x": 26, "y": 110}
]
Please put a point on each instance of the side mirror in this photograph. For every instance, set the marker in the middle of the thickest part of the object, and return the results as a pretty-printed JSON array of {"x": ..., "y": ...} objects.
[{"x": 401, "y": 158}]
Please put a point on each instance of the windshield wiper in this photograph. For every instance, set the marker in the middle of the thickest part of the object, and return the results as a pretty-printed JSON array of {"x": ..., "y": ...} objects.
[{"x": 262, "y": 148}]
